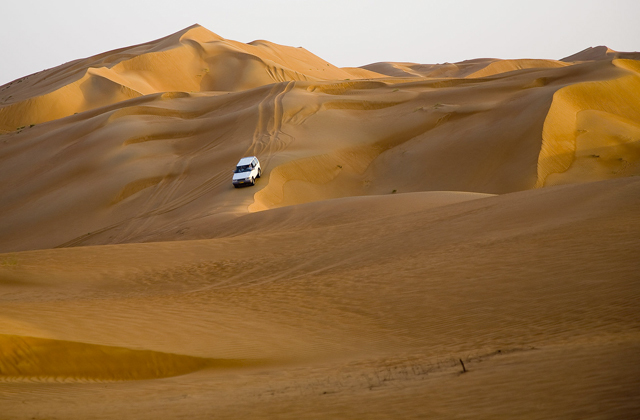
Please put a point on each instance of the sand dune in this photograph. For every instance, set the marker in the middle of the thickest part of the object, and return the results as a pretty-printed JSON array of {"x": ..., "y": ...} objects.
[
  {"x": 192, "y": 60},
  {"x": 410, "y": 218}
]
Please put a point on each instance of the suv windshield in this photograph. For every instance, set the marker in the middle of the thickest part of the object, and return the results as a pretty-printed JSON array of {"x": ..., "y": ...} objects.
[{"x": 244, "y": 168}]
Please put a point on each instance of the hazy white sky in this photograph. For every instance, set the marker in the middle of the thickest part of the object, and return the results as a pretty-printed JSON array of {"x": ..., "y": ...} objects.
[{"x": 39, "y": 34}]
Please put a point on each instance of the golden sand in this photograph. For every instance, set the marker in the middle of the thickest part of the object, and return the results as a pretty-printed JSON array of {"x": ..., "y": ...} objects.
[{"x": 454, "y": 240}]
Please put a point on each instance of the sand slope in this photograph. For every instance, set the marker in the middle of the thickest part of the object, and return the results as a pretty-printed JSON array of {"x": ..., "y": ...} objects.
[
  {"x": 385, "y": 304},
  {"x": 410, "y": 218}
]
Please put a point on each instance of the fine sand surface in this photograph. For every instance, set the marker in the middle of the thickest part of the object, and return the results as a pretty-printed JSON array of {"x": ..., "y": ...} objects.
[{"x": 411, "y": 219}]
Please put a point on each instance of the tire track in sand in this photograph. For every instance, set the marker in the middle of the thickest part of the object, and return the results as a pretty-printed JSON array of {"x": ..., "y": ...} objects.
[
  {"x": 164, "y": 198},
  {"x": 268, "y": 137}
]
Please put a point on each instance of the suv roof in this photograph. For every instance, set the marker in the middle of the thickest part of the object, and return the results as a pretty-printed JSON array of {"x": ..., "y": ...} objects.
[{"x": 246, "y": 160}]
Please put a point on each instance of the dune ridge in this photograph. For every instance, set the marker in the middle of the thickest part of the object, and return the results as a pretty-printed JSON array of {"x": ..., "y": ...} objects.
[{"x": 192, "y": 60}]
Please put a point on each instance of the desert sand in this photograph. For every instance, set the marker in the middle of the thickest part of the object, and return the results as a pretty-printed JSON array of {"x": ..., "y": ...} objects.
[{"x": 455, "y": 240}]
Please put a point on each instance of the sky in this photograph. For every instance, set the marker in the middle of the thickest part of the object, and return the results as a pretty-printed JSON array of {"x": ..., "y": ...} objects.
[{"x": 40, "y": 34}]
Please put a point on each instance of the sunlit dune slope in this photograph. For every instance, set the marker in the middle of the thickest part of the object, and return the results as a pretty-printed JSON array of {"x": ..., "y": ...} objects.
[
  {"x": 29, "y": 357},
  {"x": 480, "y": 67},
  {"x": 403, "y": 70},
  {"x": 592, "y": 131},
  {"x": 533, "y": 290},
  {"x": 503, "y": 66},
  {"x": 192, "y": 60}
]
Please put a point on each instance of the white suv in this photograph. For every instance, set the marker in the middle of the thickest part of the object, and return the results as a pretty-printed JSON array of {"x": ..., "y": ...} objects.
[{"x": 246, "y": 172}]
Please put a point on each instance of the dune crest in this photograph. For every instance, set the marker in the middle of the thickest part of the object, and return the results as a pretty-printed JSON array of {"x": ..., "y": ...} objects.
[{"x": 191, "y": 60}]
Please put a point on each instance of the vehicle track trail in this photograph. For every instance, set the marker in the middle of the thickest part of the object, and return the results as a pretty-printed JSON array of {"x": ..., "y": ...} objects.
[
  {"x": 268, "y": 140},
  {"x": 168, "y": 195},
  {"x": 268, "y": 137}
]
